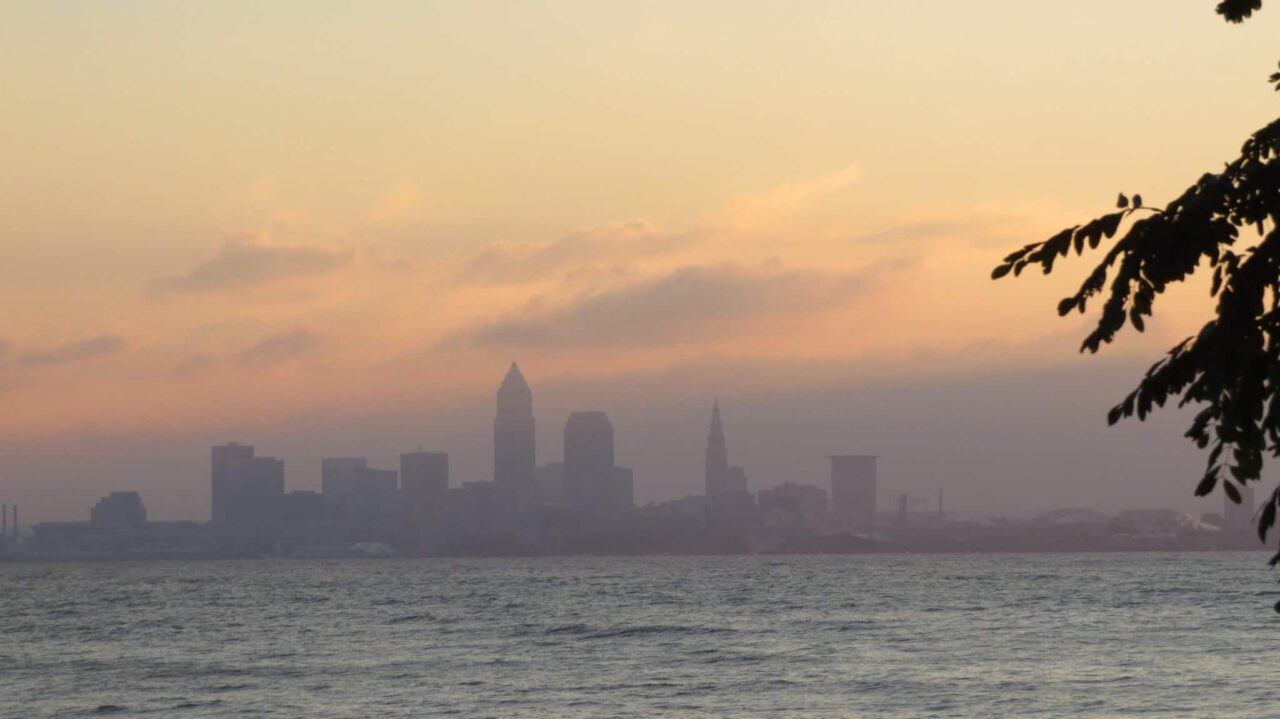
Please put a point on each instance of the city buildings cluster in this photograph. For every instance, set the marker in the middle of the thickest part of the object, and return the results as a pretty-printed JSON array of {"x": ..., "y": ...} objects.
[{"x": 584, "y": 503}]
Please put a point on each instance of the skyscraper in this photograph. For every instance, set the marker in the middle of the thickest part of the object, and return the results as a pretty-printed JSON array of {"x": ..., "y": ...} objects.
[
  {"x": 424, "y": 486},
  {"x": 588, "y": 458},
  {"x": 717, "y": 464},
  {"x": 721, "y": 479},
  {"x": 853, "y": 491},
  {"x": 247, "y": 491},
  {"x": 513, "y": 436},
  {"x": 356, "y": 492}
]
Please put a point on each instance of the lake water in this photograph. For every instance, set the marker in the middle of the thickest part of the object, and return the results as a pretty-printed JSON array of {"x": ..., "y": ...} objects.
[{"x": 1052, "y": 635}]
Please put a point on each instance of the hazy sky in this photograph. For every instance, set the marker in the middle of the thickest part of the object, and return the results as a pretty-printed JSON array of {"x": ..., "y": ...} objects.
[{"x": 327, "y": 228}]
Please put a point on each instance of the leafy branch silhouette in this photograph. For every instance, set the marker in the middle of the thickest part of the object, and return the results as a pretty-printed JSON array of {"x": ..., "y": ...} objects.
[{"x": 1231, "y": 367}]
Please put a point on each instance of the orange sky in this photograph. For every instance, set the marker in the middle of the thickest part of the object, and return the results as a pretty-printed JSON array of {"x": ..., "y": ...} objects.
[{"x": 221, "y": 214}]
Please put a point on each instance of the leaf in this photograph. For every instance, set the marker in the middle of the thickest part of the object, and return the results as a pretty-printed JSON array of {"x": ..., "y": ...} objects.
[
  {"x": 1208, "y": 482},
  {"x": 1238, "y": 10},
  {"x": 1137, "y": 201},
  {"x": 1000, "y": 271},
  {"x": 1122, "y": 201},
  {"x": 1215, "y": 454},
  {"x": 1267, "y": 520},
  {"x": 1232, "y": 492},
  {"x": 1108, "y": 224}
]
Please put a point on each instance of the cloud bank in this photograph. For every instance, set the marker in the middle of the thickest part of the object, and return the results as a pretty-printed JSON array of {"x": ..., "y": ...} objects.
[
  {"x": 86, "y": 349},
  {"x": 689, "y": 302},
  {"x": 243, "y": 262},
  {"x": 281, "y": 347},
  {"x": 508, "y": 262}
]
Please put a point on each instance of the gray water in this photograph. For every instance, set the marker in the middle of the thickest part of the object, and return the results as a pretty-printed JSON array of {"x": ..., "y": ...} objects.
[{"x": 1102, "y": 635}]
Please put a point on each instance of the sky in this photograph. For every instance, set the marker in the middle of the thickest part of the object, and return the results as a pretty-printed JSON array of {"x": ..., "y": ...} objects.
[{"x": 327, "y": 229}]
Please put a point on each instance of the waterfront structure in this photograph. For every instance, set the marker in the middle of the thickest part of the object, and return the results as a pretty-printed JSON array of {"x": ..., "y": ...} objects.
[
  {"x": 514, "y": 460},
  {"x": 853, "y": 492}
]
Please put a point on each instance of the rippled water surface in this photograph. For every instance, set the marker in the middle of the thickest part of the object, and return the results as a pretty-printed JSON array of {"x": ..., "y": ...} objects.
[{"x": 1153, "y": 635}]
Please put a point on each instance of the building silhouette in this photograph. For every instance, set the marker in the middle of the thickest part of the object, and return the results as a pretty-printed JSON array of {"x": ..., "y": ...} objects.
[
  {"x": 424, "y": 490},
  {"x": 592, "y": 481},
  {"x": 730, "y": 508},
  {"x": 302, "y": 506},
  {"x": 585, "y": 503},
  {"x": 355, "y": 492},
  {"x": 551, "y": 483},
  {"x": 621, "y": 494},
  {"x": 717, "y": 455},
  {"x": 721, "y": 478},
  {"x": 588, "y": 458},
  {"x": 119, "y": 509},
  {"x": 514, "y": 459},
  {"x": 247, "y": 490},
  {"x": 793, "y": 506},
  {"x": 853, "y": 492}
]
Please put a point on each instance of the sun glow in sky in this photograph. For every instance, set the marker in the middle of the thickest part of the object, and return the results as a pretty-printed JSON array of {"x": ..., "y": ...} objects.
[{"x": 223, "y": 218}]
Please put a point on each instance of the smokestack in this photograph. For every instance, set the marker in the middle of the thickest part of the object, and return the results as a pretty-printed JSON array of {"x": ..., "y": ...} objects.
[
  {"x": 4, "y": 521},
  {"x": 15, "y": 522},
  {"x": 941, "y": 515}
]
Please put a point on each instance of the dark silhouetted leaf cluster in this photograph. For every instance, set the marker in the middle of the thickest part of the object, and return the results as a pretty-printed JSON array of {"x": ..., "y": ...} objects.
[
  {"x": 1238, "y": 10},
  {"x": 1230, "y": 369}
]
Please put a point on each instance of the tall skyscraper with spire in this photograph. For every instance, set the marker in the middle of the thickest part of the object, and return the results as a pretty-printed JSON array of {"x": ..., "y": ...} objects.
[
  {"x": 717, "y": 453},
  {"x": 721, "y": 478},
  {"x": 513, "y": 435}
]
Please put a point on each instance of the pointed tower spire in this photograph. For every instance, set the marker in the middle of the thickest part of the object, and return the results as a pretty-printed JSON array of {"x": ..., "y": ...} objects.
[
  {"x": 717, "y": 452},
  {"x": 515, "y": 399},
  {"x": 513, "y": 376},
  {"x": 513, "y": 435}
]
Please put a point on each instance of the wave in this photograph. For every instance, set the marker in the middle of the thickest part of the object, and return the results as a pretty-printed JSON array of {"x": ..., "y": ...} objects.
[
  {"x": 588, "y": 632},
  {"x": 408, "y": 618}
]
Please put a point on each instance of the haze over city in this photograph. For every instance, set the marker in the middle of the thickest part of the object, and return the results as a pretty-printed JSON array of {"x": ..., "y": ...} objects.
[
  {"x": 325, "y": 235},
  {"x": 879, "y": 359}
]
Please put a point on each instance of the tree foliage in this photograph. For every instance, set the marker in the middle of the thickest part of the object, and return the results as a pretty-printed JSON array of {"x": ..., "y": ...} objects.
[{"x": 1230, "y": 369}]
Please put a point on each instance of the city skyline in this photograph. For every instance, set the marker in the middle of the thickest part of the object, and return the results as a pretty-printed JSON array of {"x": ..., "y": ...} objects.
[
  {"x": 803, "y": 239},
  {"x": 514, "y": 418},
  {"x": 650, "y": 358},
  {"x": 772, "y": 461},
  {"x": 582, "y": 503}
]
